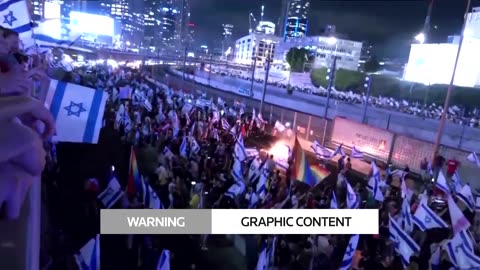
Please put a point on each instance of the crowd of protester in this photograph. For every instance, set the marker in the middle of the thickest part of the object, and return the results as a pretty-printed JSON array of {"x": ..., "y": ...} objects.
[
  {"x": 187, "y": 146},
  {"x": 455, "y": 114}
]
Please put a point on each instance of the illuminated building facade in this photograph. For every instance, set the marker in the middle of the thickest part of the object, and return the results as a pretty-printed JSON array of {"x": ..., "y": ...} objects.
[
  {"x": 152, "y": 14},
  {"x": 51, "y": 9},
  {"x": 261, "y": 46},
  {"x": 294, "y": 20},
  {"x": 130, "y": 13}
]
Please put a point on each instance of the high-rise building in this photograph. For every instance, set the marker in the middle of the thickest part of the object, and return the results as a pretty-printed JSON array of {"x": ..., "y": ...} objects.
[
  {"x": 294, "y": 19},
  {"x": 130, "y": 13},
  {"x": 152, "y": 14},
  {"x": 51, "y": 9},
  {"x": 169, "y": 17}
]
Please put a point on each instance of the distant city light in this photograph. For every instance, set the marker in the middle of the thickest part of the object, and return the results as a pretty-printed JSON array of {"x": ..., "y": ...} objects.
[
  {"x": 204, "y": 47},
  {"x": 420, "y": 38}
]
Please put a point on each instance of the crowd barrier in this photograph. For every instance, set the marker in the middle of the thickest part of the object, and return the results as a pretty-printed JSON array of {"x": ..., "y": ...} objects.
[{"x": 380, "y": 144}]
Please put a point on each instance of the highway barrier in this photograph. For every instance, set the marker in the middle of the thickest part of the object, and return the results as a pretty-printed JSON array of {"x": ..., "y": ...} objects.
[{"x": 380, "y": 144}]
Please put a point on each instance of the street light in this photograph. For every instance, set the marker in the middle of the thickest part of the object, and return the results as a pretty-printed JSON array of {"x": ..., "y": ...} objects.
[
  {"x": 368, "y": 86},
  {"x": 332, "y": 40},
  {"x": 420, "y": 38}
]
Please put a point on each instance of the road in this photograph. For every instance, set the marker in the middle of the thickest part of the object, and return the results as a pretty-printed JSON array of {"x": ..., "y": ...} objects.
[{"x": 397, "y": 122}]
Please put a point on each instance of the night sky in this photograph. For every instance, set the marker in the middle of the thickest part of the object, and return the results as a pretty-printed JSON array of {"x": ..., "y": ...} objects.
[{"x": 389, "y": 25}]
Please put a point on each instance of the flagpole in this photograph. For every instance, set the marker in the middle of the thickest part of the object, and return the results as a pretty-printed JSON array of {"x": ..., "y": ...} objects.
[{"x": 443, "y": 118}]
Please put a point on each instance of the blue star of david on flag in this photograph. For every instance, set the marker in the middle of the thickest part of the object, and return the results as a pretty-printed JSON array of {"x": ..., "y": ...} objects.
[
  {"x": 9, "y": 18},
  {"x": 350, "y": 250},
  {"x": 427, "y": 219},
  {"x": 75, "y": 109}
]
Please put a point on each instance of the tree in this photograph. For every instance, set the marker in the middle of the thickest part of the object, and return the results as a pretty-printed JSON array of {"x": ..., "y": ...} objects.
[
  {"x": 372, "y": 65},
  {"x": 296, "y": 58}
]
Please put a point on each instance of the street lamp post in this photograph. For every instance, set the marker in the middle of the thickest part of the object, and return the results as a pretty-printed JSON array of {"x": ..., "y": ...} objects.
[
  {"x": 265, "y": 83},
  {"x": 450, "y": 86},
  {"x": 368, "y": 85},
  {"x": 185, "y": 62},
  {"x": 210, "y": 69},
  {"x": 331, "y": 80},
  {"x": 254, "y": 55}
]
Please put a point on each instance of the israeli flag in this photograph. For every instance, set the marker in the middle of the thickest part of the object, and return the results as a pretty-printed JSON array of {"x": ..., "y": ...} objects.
[
  {"x": 237, "y": 172},
  {"x": 252, "y": 152},
  {"x": 279, "y": 126},
  {"x": 55, "y": 32},
  {"x": 457, "y": 219},
  {"x": 405, "y": 246},
  {"x": 461, "y": 253},
  {"x": 407, "y": 219},
  {"x": 262, "y": 262},
  {"x": 457, "y": 182},
  {"x": 254, "y": 170},
  {"x": 147, "y": 105},
  {"x": 15, "y": 16},
  {"x": 88, "y": 257},
  {"x": 239, "y": 150},
  {"x": 194, "y": 146},
  {"x": 225, "y": 124},
  {"x": 111, "y": 194},
  {"x": 184, "y": 148},
  {"x": 338, "y": 151},
  {"x": 425, "y": 218},
  {"x": 349, "y": 253},
  {"x": 442, "y": 183},
  {"x": 77, "y": 110},
  {"x": 320, "y": 151},
  {"x": 164, "y": 260},
  {"x": 168, "y": 153},
  {"x": 333, "y": 201},
  {"x": 465, "y": 195},
  {"x": 353, "y": 200},
  {"x": 356, "y": 153},
  {"x": 261, "y": 187},
  {"x": 150, "y": 197},
  {"x": 235, "y": 190}
]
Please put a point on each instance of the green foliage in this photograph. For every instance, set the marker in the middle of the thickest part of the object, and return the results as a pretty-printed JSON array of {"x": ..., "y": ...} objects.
[
  {"x": 385, "y": 86},
  {"x": 296, "y": 58}
]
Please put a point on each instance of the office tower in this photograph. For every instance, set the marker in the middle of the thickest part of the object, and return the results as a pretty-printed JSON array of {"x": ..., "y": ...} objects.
[
  {"x": 294, "y": 18},
  {"x": 50, "y": 9},
  {"x": 169, "y": 17},
  {"x": 152, "y": 15},
  {"x": 130, "y": 13}
]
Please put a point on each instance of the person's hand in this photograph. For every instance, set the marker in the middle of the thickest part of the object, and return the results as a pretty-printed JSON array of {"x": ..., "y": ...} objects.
[{"x": 27, "y": 107}]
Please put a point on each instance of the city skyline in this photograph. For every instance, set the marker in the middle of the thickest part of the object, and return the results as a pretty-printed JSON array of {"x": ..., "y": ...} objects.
[{"x": 389, "y": 26}]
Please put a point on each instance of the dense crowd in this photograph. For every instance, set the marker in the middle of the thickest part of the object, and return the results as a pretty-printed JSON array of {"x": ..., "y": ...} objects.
[{"x": 455, "y": 114}]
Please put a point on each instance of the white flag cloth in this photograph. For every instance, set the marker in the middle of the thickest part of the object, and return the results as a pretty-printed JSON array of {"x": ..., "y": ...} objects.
[
  {"x": 262, "y": 262},
  {"x": 407, "y": 219},
  {"x": 458, "y": 220},
  {"x": 88, "y": 257},
  {"x": 239, "y": 150},
  {"x": 236, "y": 189},
  {"x": 356, "y": 153},
  {"x": 261, "y": 187},
  {"x": 442, "y": 183},
  {"x": 279, "y": 126},
  {"x": 353, "y": 200},
  {"x": 465, "y": 195},
  {"x": 237, "y": 172},
  {"x": 405, "y": 246},
  {"x": 77, "y": 110},
  {"x": 147, "y": 105},
  {"x": 164, "y": 260},
  {"x": 460, "y": 251},
  {"x": 150, "y": 197},
  {"x": 333, "y": 201},
  {"x": 15, "y": 16},
  {"x": 111, "y": 194},
  {"x": 255, "y": 170},
  {"x": 425, "y": 218},
  {"x": 54, "y": 32},
  {"x": 349, "y": 253},
  {"x": 321, "y": 151},
  {"x": 457, "y": 182},
  {"x": 184, "y": 148}
]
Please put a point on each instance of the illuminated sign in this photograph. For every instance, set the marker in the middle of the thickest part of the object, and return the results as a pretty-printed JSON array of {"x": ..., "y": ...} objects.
[
  {"x": 91, "y": 24},
  {"x": 433, "y": 63},
  {"x": 52, "y": 10}
]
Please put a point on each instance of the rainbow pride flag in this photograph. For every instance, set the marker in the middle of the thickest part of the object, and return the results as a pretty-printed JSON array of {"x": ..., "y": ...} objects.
[
  {"x": 134, "y": 185},
  {"x": 302, "y": 171},
  {"x": 320, "y": 172}
]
